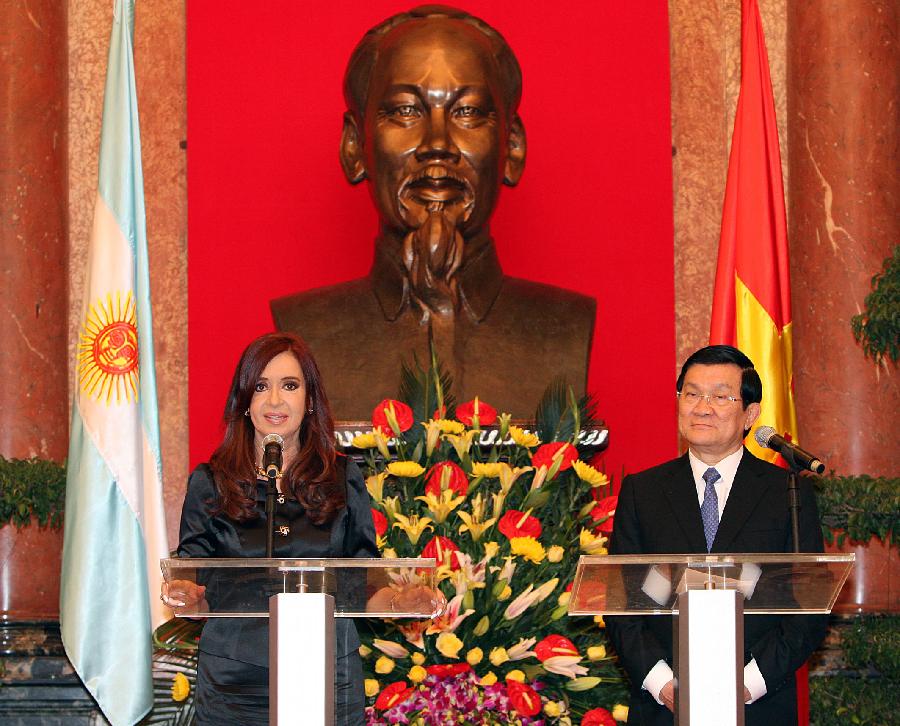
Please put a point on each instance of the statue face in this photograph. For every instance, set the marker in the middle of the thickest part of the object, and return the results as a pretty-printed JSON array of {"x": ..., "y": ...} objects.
[{"x": 436, "y": 132}]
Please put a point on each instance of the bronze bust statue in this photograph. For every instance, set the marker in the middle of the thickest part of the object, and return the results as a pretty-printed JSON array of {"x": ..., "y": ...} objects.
[{"x": 432, "y": 124}]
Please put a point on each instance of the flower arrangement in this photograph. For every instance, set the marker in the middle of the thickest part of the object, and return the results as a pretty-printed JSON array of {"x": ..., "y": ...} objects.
[{"x": 506, "y": 522}]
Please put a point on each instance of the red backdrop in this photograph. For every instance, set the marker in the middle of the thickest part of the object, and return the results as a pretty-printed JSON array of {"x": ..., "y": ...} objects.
[{"x": 271, "y": 214}]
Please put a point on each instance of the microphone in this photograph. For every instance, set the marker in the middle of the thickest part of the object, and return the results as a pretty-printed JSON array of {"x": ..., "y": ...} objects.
[
  {"x": 272, "y": 446},
  {"x": 793, "y": 454}
]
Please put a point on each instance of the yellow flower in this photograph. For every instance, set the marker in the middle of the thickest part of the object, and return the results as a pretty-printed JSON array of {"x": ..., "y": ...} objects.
[
  {"x": 505, "y": 593},
  {"x": 523, "y": 438},
  {"x": 552, "y": 709},
  {"x": 589, "y": 475},
  {"x": 181, "y": 687},
  {"x": 462, "y": 442},
  {"x": 364, "y": 651},
  {"x": 382, "y": 443},
  {"x": 499, "y": 499},
  {"x": 556, "y": 553},
  {"x": 364, "y": 441},
  {"x": 503, "y": 421},
  {"x": 391, "y": 507},
  {"x": 371, "y": 686},
  {"x": 489, "y": 470},
  {"x": 375, "y": 485},
  {"x": 441, "y": 505},
  {"x": 508, "y": 476},
  {"x": 596, "y": 652},
  {"x": 620, "y": 712},
  {"x": 450, "y": 427},
  {"x": 498, "y": 656},
  {"x": 418, "y": 658},
  {"x": 516, "y": 675},
  {"x": 482, "y": 626},
  {"x": 489, "y": 679},
  {"x": 592, "y": 544},
  {"x": 490, "y": 550},
  {"x": 417, "y": 674},
  {"x": 432, "y": 435},
  {"x": 413, "y": 525},
  {"x": 384, "y": 665},
  {"x": 389, "y": 553},
  {"x": 474, "y": 656},
  {"x": 408, "y": 469},
  {"x": 599, "y": 620},
  {"x": 474, "y": 522},
  {"x": 563, "y": 599},
  {"x": 527, "y": 547},
  {"x": 448, "y": 645}
]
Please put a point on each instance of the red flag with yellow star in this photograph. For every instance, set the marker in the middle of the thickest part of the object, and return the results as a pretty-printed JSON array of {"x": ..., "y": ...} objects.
[{"x": 752, "y": 298}]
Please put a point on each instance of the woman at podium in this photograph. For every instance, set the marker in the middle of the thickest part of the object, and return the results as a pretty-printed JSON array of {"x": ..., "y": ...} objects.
[{"x": 322, "y": 510}]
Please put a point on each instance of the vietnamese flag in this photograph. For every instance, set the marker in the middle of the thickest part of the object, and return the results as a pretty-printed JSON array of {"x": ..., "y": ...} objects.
[{"x": 752, "y": 298}]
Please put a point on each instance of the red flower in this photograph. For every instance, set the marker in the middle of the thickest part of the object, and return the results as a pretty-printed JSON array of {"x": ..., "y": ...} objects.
[
  {"x": 465, "y": 413},
  {"x": 598, "y": 717},
  {"x": 402, "y": 413},
  {"x": 605, "y": 508},
  {"x": 523, "y": 698},
  {"x": 392, "y": 695},
  {"x": 443, "y": 550},
  {"x": 554, "y": 645},
  {"x": 459, "y": 482},
  {"x": 440, "y": 412},
  {"x": 446, "y": 670},
  {"x": 544, "y": 455},
  {"x": 517, "y": 524},
  {"x": 380, "y": 522}
]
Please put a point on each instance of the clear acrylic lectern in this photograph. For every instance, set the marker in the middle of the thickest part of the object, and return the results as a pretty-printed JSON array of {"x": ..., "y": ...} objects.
[
  {"x": 301, "y": 598},
  {"x": 709, "y": 594}
]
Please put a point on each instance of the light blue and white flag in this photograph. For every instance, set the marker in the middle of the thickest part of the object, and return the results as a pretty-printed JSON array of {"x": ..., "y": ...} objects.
[{"x": 114, "y": 527}]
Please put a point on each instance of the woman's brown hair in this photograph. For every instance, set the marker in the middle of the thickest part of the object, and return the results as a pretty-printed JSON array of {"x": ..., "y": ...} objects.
[{"x": 312, "y": 478}]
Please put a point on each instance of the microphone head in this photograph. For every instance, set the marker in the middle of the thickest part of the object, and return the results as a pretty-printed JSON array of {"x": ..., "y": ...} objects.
[
  {"x": 763, "y": 435},
  {"x": 273, "y": 439}
]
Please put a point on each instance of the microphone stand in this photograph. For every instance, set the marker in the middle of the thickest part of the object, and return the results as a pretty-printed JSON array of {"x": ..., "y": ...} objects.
[
  {"x": 793, "y": 496},
  {"x": 271, "y": 493}
]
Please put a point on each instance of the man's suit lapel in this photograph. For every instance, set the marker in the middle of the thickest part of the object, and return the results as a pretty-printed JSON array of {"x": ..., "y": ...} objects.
[
  {"x": 681, "y": 492},
  {"x": 750, "y": 486}
]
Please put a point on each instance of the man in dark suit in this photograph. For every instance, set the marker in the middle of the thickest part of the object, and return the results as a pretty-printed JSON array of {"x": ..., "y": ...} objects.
[{"x": 718, "y": 497}]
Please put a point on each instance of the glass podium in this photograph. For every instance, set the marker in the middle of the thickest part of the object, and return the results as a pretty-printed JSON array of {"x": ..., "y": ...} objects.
[
  {"x": 709, "y": 595},
  {"x": 301, "y": 598}
]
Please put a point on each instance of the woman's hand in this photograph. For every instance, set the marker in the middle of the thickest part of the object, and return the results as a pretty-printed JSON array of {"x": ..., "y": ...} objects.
[
  {"x": 179, "y": 594},
  {"x": 408, "y": 599}
]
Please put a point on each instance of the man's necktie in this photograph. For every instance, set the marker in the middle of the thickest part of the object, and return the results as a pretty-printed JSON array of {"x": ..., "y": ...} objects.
[{"x": 709, "y": 510}]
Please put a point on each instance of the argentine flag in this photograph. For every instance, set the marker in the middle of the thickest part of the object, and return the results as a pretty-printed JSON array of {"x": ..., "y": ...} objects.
[{"x": 114, "y": 525}]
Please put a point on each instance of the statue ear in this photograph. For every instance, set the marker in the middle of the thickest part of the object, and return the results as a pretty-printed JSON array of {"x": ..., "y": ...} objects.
[
  {"x": 351, "y": 151},
  {"x": 515, "y": 153}
]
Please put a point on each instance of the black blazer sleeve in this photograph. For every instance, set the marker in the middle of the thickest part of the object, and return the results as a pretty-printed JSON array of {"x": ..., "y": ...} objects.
[{"x": 638, "y": 648}]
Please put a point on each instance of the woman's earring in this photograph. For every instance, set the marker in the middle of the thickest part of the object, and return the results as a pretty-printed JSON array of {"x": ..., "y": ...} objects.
[
  {"x": 309, "y": 410},
  {"x": 247, "y": 412}
]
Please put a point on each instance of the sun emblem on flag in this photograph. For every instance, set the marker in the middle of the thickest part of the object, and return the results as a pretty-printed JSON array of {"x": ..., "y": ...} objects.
[{"x": 108, "y": 351}]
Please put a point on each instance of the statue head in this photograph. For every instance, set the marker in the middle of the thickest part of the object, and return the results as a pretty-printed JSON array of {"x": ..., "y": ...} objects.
[{"x": 432, "y": 123}]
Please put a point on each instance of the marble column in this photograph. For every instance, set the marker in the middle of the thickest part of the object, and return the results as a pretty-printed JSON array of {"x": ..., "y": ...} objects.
[
  {"x": 33, "y": 249},
  {"x": 843, "y": 222}
]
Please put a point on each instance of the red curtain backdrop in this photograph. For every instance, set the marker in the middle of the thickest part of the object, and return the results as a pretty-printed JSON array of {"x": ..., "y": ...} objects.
[{"x": 270, "y": 212}]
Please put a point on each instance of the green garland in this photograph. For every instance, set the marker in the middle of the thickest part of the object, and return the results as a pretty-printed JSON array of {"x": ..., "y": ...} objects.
[
  {"x": 31, "y": 488},
  {"x": 877, "y": 327}
]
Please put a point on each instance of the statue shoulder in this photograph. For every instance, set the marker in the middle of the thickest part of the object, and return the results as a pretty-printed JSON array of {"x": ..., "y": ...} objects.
[
  {"x": 329, "y": 302},
  {"x": 555, "y": 301}
]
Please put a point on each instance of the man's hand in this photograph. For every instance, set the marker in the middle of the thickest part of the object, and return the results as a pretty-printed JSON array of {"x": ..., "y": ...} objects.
[{"x": 667, "y": 695}]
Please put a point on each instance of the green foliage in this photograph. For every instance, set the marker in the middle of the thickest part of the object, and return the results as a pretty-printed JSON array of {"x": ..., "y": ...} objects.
[
  {"x": 861, "y": 506},
  {"x": 877, "y": 327},
  {"x": 873, "y": 643},
  {"x": 842, "y": 700},
  {"x": 31, "y": 488},
  {"x": 869, "y": 696}
]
